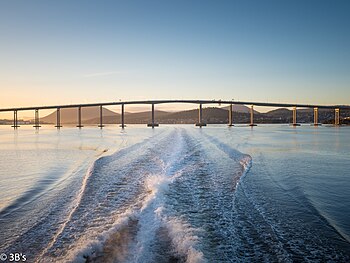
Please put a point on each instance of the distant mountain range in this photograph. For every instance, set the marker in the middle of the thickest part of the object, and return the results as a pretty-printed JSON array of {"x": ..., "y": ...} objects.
[
  {"x": 211, "y": 115},
  {"x": 90, "y": 115}
]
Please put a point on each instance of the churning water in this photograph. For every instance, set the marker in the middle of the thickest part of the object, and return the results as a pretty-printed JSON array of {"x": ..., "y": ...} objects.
[{"x": 176, "y": 194}]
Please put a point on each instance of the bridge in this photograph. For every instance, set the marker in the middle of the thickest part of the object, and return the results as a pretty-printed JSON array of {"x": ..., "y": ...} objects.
[{"x": 153, "y": 124}]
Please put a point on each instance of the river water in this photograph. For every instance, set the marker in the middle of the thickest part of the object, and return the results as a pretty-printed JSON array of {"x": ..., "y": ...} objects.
[{"x": 177, "y": 193}]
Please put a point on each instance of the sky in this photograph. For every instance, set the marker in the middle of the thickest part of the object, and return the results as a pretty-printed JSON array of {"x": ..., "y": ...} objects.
[{"x": 62, "y": 52}]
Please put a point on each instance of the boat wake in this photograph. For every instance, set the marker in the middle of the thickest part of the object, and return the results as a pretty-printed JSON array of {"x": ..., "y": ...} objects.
[{"x": 147, "y": 203}]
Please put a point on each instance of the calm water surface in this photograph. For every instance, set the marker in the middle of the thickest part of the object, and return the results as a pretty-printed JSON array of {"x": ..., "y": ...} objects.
[{"x": 273, "y": 193}]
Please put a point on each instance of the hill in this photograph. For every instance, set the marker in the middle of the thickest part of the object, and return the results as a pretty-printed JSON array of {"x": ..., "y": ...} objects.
[
  {"x": 70, "y": 115},
  {"x": 137, "y": 117},
  {"x": 239, "y": 108}
]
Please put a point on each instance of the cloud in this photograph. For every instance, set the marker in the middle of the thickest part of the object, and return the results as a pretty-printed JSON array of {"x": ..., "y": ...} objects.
[{"x": 101, "y": 74}]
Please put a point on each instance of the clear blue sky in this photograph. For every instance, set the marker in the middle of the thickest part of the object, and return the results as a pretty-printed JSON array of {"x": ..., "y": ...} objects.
[{"x": 87, "y": 51}]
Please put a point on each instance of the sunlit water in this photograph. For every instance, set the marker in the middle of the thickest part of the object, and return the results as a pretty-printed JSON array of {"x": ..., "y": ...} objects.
[{"x": 176, "y": 194}]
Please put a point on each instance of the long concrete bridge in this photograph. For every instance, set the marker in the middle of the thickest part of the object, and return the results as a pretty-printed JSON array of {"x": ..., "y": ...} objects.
[{"x": 153, "y": 124}]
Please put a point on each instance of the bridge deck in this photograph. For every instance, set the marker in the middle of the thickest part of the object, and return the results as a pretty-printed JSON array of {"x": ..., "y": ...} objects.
[{"x": 266, "y": 104}]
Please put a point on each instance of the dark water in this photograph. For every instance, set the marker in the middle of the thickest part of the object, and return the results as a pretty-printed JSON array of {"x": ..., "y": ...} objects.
[{"x": 176, "y": 194}]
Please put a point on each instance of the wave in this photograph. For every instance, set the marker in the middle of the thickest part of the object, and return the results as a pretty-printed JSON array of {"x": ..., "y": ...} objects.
[
  {"x": 135, "y": 233},
  {"x": 69, "y": 217},
  {"x": 149, "y": 202}
]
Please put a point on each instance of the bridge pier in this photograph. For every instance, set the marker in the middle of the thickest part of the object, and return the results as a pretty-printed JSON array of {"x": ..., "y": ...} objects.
[
  {"x": 36, "y": 119},
  {"x": 200, "y": 115},
  {"x": 15, "y": 120},
  {"x": 295, "y": 117},
  {"x": 337, "y": 117},
  {"x": 122, "y": 116},
  {"x": 58, "y": 118},
  {"x": 101, "y": 118},
  {"x": 230, "y": 116},
  {"x": 153, "y": 124},
  {"x": 316, "y": 117},
  {"x": 79, "y": 118},
  {"x": 252, "y": 116}
]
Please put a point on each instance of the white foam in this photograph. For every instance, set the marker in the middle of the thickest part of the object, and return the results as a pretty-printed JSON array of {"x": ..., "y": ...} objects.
[
  {"x": 91, "y": 248},
  {"x": 155, "y": 186},
  {"x": 150, "y": 215},
  {"x": 75, "y": 205},
  {"x": 184, "y": 240},
  {"x": 246, "y": 162},
  {"x": 180, "y": 232}
]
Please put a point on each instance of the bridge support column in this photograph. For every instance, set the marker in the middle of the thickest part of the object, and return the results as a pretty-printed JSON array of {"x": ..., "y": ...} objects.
[
  {"x": 122, "y": 116},
  {"x": 200, "y": 117},
  {"x": 337, "y": 117},
  {"x": 153, "y": 124},
  {"x": 230, "y": 116},
  {"x": 58, "y": 118},
  {"x": 15, "y": 120},
  {"x": 316, "y": 117},
  {"x": 252, "y": 116},
  {"x": 36, "y": 119},
  {"x": 295, "y": 117},
  {"x": 101, "y": 117},
  {"x": 79, "y": 118}
]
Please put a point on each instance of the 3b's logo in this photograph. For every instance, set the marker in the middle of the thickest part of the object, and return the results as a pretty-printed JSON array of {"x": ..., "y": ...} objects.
[{"x": 13, "y": 257}]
